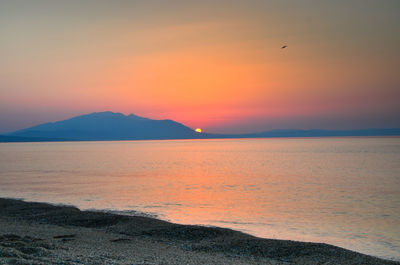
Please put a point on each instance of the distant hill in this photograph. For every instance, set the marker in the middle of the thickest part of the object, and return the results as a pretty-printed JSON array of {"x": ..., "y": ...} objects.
[
  {"x": 324, "y": 133},
  {"x": 106, "y": 126}
]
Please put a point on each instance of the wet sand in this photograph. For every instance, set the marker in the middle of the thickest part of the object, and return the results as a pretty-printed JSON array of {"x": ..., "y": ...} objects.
[{"x": 39, "y": 233}]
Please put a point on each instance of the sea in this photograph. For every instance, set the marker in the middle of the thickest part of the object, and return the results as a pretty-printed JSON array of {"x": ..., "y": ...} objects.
[{"x": 340, "y": 191}]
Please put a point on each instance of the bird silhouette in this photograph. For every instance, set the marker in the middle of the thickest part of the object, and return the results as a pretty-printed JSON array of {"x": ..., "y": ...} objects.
[{"x": 283, "y": 47}]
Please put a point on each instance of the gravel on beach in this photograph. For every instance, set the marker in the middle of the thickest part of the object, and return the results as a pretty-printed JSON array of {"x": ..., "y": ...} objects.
[{"x": 40, "y": 233}]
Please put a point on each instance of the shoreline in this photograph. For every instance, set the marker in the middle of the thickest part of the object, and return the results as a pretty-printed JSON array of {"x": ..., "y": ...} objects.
[
  {"x": 16, "y": 139},
  {"x": 41, "y": 233}
]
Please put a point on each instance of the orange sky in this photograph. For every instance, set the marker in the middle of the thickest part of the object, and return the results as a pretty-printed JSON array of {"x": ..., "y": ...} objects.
[{"x": 218, "y": 66}]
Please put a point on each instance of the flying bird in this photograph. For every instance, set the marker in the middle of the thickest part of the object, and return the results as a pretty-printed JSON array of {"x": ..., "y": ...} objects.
[{"x": 283, "y": 47}]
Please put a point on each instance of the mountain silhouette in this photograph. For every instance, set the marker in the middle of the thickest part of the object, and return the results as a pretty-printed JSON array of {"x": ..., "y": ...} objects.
[
  {"x": 323, "y": 133},
  {"x": 108, "y": 126}
]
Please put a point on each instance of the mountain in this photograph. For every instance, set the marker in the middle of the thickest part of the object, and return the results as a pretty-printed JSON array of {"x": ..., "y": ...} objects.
[
  {"x": 103, "y": 126},
  {"x": 324, "y": 133},
  {"x": 107, "y": 126}
]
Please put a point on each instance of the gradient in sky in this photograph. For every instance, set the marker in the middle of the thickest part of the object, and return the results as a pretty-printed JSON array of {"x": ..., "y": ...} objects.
[{"x": 217, "y": 65}]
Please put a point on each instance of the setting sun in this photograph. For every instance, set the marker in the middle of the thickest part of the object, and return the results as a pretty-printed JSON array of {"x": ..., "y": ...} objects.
[{"x": 252, "y": 127}]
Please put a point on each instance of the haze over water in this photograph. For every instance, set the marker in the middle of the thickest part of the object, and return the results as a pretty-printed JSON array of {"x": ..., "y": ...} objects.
[{"x": 341, "y": 191}]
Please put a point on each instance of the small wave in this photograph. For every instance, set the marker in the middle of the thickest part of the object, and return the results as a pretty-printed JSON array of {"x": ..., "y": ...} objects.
[{"x": 127, "y": 212}]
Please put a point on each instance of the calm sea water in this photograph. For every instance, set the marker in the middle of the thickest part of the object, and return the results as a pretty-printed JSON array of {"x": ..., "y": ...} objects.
[{"x": 342, "y": 191}]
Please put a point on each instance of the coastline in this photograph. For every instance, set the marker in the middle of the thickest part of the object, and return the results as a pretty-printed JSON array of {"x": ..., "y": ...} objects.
[{"x": 41, "y": 233}]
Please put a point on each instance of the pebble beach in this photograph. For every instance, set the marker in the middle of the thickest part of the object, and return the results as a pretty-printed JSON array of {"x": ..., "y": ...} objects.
[{"x": 40, "y": 233}]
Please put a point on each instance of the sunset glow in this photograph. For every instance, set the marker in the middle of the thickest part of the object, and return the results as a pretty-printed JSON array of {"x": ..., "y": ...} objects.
[
  {"x": 200, "y": 131},
  {"x": 216, "y": 65}
]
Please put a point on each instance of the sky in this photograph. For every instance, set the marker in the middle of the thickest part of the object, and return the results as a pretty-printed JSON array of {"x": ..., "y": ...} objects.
[{"x": 215, "y": 65}]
